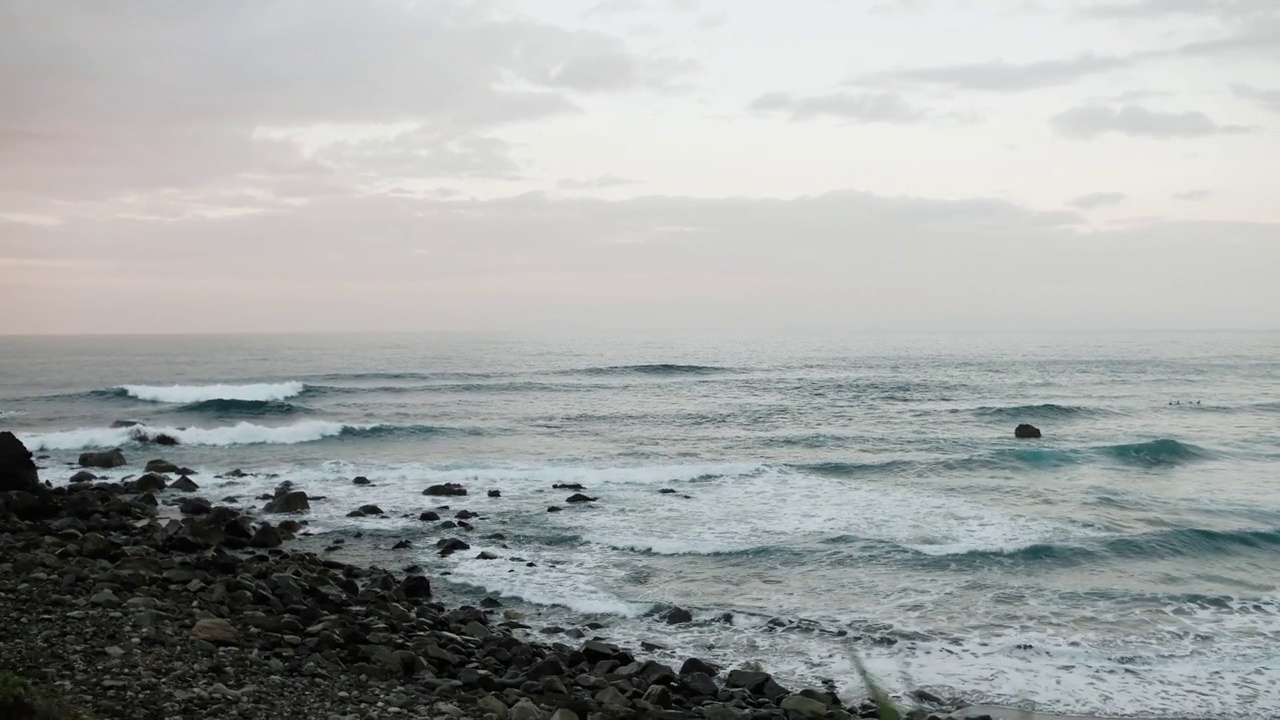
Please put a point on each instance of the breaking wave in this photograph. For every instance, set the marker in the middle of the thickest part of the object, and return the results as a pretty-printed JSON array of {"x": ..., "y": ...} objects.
[{"x": 186, "y": 394}]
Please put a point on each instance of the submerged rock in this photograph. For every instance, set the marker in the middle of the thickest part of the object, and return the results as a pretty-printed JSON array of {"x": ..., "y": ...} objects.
[
  {"x": 185, "y": 484},
  {"x": 161, "y": 466},
  {"x": 290, "y": 502},
  {"x": 105, "y": 459},
  {"x": 445, "y": 490},
  {"x": 579, "y": 498}
]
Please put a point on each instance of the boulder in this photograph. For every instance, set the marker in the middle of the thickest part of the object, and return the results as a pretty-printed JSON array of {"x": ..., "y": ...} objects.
[
  {"x": 83, "y": 476},
  {"x": 195, "y": 506},
  {"x": 149, "y": 483},
  {"x": 161, "y": 466},
  {"x": 445, "y": 490},
  {"x": 116, "y": 424},
  {"x": 448, "y": 546},
  {"x": 105, "y": 459},
  {"x": 185, "y": 484},
  {"x": 416, "y": 586},
  {"x": 1026, "y": 432},
  {"x": 371, "y": 510},
  {"x": 695, "y": 665},
  {"x": 290, "y": 502},
  {"x": 429, "y": 516},
  {"x": 568, "y": 486},
  {"x": 17, "y": 467},
  {"x": 266, "y": 536},
  {"x": 163, "y": 439},
  {"x": 360, "y": 480},
  {"x": 579, "y": 498},
  {"x": 216, "y": 631},
  {"x": 678, "y": 616},
  {"x": 800, "y": 706},
  {"x": 495, "y": 493}
]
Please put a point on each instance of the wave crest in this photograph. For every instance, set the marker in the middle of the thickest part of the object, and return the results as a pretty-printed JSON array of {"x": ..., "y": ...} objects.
[
  {"x": 186, "y": 394},
  {"x": 1156, "y": 453},
  {"x": 1042, "y": 411},
  {"x": 652, "y": 369}
]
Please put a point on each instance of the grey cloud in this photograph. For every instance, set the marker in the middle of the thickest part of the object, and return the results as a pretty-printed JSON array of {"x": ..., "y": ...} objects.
[
  {"x": 886, "y": 107},
  {"x": 608, "y": 8},
  {"x": 713, "y": 22},
  {"x": 1002, "y": 76},
  {"x": 422, "y": 153},
  {"x": 154, "y": 79},
  {"x": 1193, "y": 195},
  {"x": 532, "y": 261},
  {"x": 1269, "y": 99},
  {"x": 1156, "y": 8},
  {"x": 604, "y": 181},
  {"x": 1090, "y": 121},
  {"x": 1097, "y": 200}
]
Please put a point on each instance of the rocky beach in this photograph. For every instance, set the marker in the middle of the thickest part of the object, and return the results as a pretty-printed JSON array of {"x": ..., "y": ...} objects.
[{"x": 143, "y": 599}]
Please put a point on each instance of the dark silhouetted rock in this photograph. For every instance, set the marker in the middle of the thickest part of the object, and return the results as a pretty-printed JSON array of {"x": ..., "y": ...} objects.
[
  {"x": 360, "y": 480},
  {"x": 416, "y": 586},
  {"x": 694, "y": 665},
  {"x": 568, "y": 486},
  {"x": 678, "y": 616},
  {"x": 448, "y": 546},
  {"x": 371, "y": 510},
  {"x": 495, "y": 493},
  {"x": 445, "y": 490},
  {"x": 185, "y": 484},
  {"x": 17, "y": 467},
  {"x": 266, "y": 536},
  {"x": 553, "y": 508},
  {"x": 402, "y": 545},
  {"x": 1026, "y": 432},
  {"x": 429, "y": 516},
  {"x": 161, "y": 466},
  {"x": 465, "y": 515},
  {"x": 117, "y": 424},
  {"x": 163, "y": 439},
  {"x": 579, "y": 498},
  {"x": 107, "y": 459},
  {"x": 667, "y": 491},
  {"x": 83, "y": 476},
  {"x": 195, "y": 506},
  {"x": 290, "y": 502},
  {"x": 149, "y": 483}
]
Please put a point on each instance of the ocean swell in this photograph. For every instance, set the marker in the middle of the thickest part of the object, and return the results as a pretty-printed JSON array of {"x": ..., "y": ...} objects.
[
  {"x": 242, "y": 407},
  {"x": 187, "y": 394}
]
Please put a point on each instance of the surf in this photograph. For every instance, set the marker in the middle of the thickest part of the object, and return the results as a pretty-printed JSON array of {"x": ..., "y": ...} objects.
[{"x": 188, "y": 394}]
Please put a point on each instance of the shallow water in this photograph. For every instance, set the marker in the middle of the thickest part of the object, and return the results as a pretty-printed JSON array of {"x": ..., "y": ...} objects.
[{"x": 863, "y": 494}]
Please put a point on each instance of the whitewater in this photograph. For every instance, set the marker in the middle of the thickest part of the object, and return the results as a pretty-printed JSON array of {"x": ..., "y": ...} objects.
[{"x": 805, "y": 499}]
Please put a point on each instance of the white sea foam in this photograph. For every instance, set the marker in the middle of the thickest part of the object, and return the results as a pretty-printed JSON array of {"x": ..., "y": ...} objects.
[
  {"x": 243, "y": 433},
  {"x": 199, "y": 393}
]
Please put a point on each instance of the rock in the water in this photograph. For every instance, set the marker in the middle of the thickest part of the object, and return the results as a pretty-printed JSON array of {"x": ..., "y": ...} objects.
[
  {"x": 449, "y": 546},
  {"x": 402, "y": 545},
  {"x": 678, "y": 616},
  {"x": 161, "y": 466},
  {"x": 568, "y": 486},
  {"x": 694, "y": 665},
  {"x": 216, "y": 631},
  {"x": 266, "y": 536},
  {"x": 106, "y": 459},
  {"x": 360, "y": 480},
  {"x": 667, "y": 491},
  {"x": 465, "y": 515},
  {"x": 163, "y": 439},
  {"x": 429, "y": 516},
  {"x": 416, "y": 586},
  {"x": 117, "y": 424},
  {"x": 1026, "y": 432},
  {"x": 486, "y": 555},
  {"x": 150, "y": 483},
  {"x": 804, "y": 707},
  {"x": 83, "y": 476},
  {"x": 371, "y": 510},
  {"x": 553, "y": 508},
  {"x": 185, "y": 484},
  {"x": 446, "y": 490},
  {"x": 195, "y": 506},
  {"x": 290, "y": 502},
  {"x": 579, "y": 498},
  {"x": 495, "y": 493}
]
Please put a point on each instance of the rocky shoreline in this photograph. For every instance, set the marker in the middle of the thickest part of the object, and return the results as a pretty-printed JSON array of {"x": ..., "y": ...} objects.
[{"x": 139, "y": 599}]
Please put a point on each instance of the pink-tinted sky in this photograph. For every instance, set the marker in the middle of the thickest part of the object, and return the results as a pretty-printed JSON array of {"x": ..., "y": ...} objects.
[{"x": 313, "y": 165}]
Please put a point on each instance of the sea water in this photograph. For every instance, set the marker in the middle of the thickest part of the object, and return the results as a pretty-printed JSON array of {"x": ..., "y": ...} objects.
[{"x": 824, "y": 497}]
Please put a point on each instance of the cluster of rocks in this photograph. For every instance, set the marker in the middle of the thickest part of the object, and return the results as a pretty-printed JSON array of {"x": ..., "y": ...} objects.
[{"x": 127, "y": 613}]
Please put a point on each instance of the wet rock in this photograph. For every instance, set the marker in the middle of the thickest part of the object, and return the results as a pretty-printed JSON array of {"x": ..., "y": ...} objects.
[
  {"x": 360, "y": 480},
  {"x": 445, "y": 490},
  {"x": 465, "y": 515},
  {"x": 195, "y": 506},
  {"x": 699, "y": 684},
  {"x": 678, "y": 616},
  {"x": 579, "y": 498},
  {"x": 371, "y": 510},
  {"x": 553, "y": 508},
  {"x": 265, "y": 537},
  {"x": 150, "y": 482},
  {"x": 185, "y": 484},
  {"x": 107, "y": 459},
  {"x": 448, "y": 546},
  {"x": 163, "y": 439},
  {"x": 415, "y": 587},
  {"x": 429, "y": 516},
  {"x": 1026, "y": 432},
  {"x": 490, "y": 603},
  {"x": 161, "y": 466},
  {"x": 402, "y": 545},
  {"x": 81, "y": 477},
  {"x": 290, "y": 502},
  {"x": 695, "y": 665},
  {"x": 568, "y": 486},
  {"x": 804, "y": 707},
  {"x": 486, "y": 555},
  {"x": 495, "y": 493}
]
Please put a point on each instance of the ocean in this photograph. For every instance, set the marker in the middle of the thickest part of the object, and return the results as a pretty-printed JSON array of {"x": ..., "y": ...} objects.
[{"x": 825, "y": 497}]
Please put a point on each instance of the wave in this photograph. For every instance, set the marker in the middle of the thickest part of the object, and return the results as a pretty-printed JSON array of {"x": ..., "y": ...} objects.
[
  {"x": 222, "y": 406},
  {"x": 843, "y": 469},
  {"x": 1043, "y": 411},
  {"x": 1169, "y": 544},
  {"x": 243, "y": 433},
  {"x": 186, "y": 394},
  {"x": 651, "y": 369},
  {"x": 1156, "y": 453}
]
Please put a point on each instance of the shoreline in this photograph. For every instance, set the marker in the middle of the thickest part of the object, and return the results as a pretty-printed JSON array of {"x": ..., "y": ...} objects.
[{"x": 170, "y": 526}]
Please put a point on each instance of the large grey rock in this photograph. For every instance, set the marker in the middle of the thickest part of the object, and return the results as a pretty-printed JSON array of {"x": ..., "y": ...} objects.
[
  {"x": 804, "y": 707},
  {"x": 17, "y": 467},
  {"x": 161, "y": 466},
  {"x": 290, "y": 502},
  {"x": 105, "y": 459},
  {"x": 216, "y": 631}
]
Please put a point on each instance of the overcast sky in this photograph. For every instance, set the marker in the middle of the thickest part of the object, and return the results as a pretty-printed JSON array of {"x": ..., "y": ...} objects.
[{"x": 831, "y": 165}]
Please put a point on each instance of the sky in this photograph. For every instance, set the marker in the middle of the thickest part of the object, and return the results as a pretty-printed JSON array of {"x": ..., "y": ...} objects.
[{"x": 171, "y": 166}]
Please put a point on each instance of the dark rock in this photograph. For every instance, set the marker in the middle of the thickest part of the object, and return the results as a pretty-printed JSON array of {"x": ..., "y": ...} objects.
[
  {"x": 360, "y": 480},
  {"x": 161, "y": 466},
  {"x": 465, "y": 515},
  {"x": 448, "y": 546},
  {"x": 83, "y": 476},
  {"x": 117, "y": 424},
  {"x": 415, "y": 587},
  {"x": 289, "y": 502},
  {"x": 163, "y": 439},
  {"x": 265, "y": 537},
  {"x": 678, "y": 616},
  {"x": 186, "y": 471},
  {"x": 195, "y": 506},
  {"x": 17, "y": 467},
  {"x": 185, "y": 484},
  {"x": 371, "y": 510},
  {"x": 402, "y": 545},
  {"x": 429, "y": 516},
  {"x": 1026, "y": 432},
  {"x": 106, "y": 459},
  {"x": 448, "y": 525},
  {"x": 490, "y": 603},
  {"x": 567, "y": 486},
  {"x": 553, "y": 508},
  {"x": 150, "y": 483},
  {"x": 486, "y": 555},
  {"x": 445, "y": 490},
  {"x": 667, "y": 491},
  {"x": 699, "y": 684},
  {"x": 579, "y": 498},
  {"x": 694, "y": 665},
  {"x": 495, "y": 493}
]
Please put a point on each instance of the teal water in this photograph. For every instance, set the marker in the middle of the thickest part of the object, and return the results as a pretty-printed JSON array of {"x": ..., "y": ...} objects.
[{"x": 863, "y": 494}]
